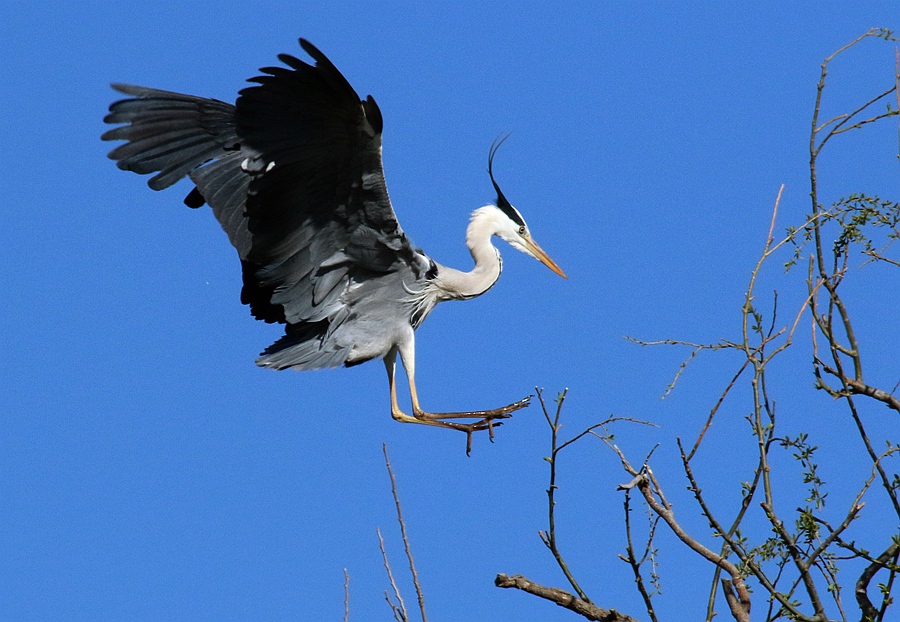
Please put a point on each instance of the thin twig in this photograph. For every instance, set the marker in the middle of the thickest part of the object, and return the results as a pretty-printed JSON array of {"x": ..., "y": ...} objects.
[
  {"x": 412, "y": 565},
  {"x": 741, "y": 612},
  {"x": 696, "y": 349},
  {"x": 715, "y": 409},
  {"x": 549, "y": 538},
  {"x": 860, "y": 427},
  {"x": 797, "y": 557},
  {"x": 346, "y": 595},
  {"x": 636, "y": 563},
  {"x": 852, "y": 514},
  {"x": 399, "y": 610}
]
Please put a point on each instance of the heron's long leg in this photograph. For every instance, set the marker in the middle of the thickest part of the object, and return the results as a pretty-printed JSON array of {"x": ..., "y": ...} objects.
[
  {"x": 390, "y": 364},
  {"x": 485, "y": 417},
  {"x": 407, "y": 355}
]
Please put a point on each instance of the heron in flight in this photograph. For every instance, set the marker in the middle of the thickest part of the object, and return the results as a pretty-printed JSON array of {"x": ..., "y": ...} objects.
[{"x": 293, "y": 173}]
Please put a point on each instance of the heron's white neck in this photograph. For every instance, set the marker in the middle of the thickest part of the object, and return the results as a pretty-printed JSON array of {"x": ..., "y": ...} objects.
[{"x": 457, "y": 284}]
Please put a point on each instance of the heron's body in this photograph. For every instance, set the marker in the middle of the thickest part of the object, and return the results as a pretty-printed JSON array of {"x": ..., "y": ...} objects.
[{"x": 293, "y": 173}]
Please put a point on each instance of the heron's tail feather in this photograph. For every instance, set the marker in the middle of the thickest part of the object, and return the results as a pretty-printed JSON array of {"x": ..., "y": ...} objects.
[{"x": 304, "y": 346}]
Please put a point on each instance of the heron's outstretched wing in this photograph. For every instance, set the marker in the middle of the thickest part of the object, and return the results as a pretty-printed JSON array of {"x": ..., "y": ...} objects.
[
  {"x": 175, "y": 135},
  {"x": 293, "y": 173}
]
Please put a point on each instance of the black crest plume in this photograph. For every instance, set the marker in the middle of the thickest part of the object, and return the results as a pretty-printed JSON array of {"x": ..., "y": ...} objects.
[{"x": 504, "y": 205}]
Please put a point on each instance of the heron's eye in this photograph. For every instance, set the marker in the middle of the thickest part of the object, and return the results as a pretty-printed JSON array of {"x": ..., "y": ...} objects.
[{"x": 522, "y": 230}]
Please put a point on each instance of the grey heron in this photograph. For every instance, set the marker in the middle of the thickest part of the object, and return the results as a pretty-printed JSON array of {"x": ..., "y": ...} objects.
[{"x": 293, "y": 173}]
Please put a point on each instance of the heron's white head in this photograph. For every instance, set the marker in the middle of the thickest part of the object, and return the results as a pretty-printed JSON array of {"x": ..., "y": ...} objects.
[{"x": 507, "y": 223}]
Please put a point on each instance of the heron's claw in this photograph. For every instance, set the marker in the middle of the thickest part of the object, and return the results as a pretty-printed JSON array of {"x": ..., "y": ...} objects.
[
  {"x": 484, "y": 424},
  {"x": 489, "y": 420},
  {"x": 506, "y": 410},
  {"x": 486, "y": 419}
]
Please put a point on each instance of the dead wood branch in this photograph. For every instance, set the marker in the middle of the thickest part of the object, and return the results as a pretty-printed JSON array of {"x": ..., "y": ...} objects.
[{"x": 562, "y": 598}]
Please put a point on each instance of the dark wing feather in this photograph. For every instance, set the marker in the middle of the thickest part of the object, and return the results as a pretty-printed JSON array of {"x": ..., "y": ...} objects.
[
  {"x": 168, "y": 133},
  {"x": 175, "y": 135},
  {"x": 293, "y": 173},
  {"x": 320, "y": 191}
]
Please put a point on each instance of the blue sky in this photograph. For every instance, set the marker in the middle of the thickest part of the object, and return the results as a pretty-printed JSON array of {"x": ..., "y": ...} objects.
[{"x": 150, "y": 471}]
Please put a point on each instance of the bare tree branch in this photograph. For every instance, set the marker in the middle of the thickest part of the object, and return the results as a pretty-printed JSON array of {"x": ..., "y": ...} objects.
[
  {"x": 741, "y": 612},
  {"x": 869, "y": 612},
  {"x": 799, "y": 557},
  {"x": 412, "y": 565},
  {"x": 346, "y": 596},
  {"x": 632, "y": 559},
  {"x": 563, "y": 599},
  {"x": 862, "y": 388},
  {"x": 399, "y": 610},
  {"x": 715, "y": 409},
  {"x": 549, "y": 538}
]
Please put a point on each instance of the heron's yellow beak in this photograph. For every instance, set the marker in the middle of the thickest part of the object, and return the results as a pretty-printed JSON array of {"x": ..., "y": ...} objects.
[{"x": 543, "y": 257}]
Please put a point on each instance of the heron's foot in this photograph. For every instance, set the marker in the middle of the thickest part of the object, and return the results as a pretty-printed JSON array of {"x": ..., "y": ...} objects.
[
  {"x": 470, "y": 428},
  {"x": 504, "y": 412},
  {"x": 487, "y": 419}
]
